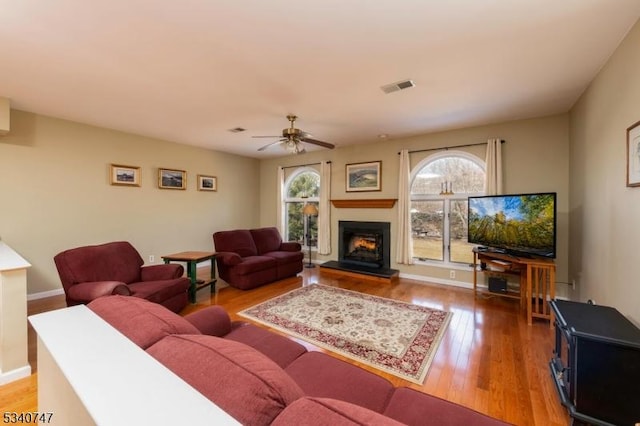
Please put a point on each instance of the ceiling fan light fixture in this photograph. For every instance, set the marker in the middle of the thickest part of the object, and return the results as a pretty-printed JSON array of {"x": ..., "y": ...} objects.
[{"x": 291, "y": 146}]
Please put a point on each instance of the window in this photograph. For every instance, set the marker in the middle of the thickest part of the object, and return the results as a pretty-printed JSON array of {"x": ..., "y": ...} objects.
[
  {"x": 302, "y": 187},
  {"x": 438, "y": 219}
]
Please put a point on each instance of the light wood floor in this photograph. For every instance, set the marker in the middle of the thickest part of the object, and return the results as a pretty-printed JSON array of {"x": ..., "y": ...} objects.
[{"x": 489, "y": 360}]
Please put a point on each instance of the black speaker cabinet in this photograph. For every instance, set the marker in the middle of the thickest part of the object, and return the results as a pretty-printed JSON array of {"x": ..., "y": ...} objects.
[
  {"x": 497, "y": 285},
  {"x": 596, "y": 364}
]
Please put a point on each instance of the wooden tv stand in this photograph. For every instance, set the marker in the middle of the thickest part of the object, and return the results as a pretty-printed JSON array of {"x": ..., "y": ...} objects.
[{"x": 537, "y": 280}]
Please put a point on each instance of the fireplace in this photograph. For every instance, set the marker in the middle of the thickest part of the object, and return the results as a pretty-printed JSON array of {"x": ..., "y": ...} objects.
[{"x": 364, "y": 243}]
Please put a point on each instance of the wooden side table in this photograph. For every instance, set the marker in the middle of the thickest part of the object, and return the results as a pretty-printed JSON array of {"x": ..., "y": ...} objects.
[{"x": 192, "y": 258}]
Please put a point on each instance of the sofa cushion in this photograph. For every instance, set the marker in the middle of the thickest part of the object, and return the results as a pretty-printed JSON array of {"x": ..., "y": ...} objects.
[
  {"x": 143, "y": 322},
  {"x": 321, "y": 375},
  {"x": 266, "y": 239},
  {"x": 279, "y": 349},
  {"x": 253, "y": 264},
  {"x": 159, "y": 291},
  {"x": 284, "y": 257},
  {"x": 326, "y": 411},
  {"x": 212, "y": 320},
  {"x": 414, "y": 408},
  {"x": 240, "y": 380},
  {"x": 238, "y": 241}
]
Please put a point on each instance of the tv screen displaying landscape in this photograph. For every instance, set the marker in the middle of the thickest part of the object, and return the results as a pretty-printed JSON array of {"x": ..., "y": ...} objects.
[{"x": 522, "y": 223}]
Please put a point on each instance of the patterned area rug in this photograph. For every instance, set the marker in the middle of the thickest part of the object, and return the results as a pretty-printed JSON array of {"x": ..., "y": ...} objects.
[{"x": 396, "y": 337}]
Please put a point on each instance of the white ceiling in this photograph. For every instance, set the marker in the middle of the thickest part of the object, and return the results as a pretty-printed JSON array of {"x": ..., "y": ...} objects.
[{"x": 189, "y": 70}]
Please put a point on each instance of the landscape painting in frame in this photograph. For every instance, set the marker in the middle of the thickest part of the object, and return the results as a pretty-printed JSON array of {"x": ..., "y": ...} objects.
[
  {"x": 125, "y": 175},
  {"x": 172, "y": 179},
  {"x": 207, "y": 183},
  {"x": 364, "y": 176},
  {"x": 633, "y": 155}
]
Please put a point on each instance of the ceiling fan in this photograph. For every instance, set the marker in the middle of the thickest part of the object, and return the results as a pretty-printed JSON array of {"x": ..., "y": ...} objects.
[{"x": 292, "y": 139}]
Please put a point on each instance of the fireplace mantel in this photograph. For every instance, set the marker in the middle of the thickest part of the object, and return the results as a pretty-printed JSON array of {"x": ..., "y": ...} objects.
[{"x": 364, "y": 203}]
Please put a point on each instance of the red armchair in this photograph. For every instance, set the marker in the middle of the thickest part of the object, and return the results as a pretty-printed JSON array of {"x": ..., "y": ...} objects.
[
  {"x": 250, "y": 258},
  {"x": 116, "y": 268}
]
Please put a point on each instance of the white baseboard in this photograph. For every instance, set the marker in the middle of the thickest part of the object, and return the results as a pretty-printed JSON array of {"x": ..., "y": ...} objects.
[
  {"x": 44, "y": 294},
  {"x": 13, "y": 375},
  {"x": 426, "y": 279}
]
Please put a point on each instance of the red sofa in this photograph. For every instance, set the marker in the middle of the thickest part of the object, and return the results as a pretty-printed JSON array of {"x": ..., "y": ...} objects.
[
  {"x": 259, "y": 377},
  {"x": 90, "y": 272},
  {"x": 249, "y": 258}
]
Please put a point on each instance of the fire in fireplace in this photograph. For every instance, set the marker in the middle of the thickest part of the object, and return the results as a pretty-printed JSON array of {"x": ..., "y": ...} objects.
[
  {"x": 365, "y": 247},
  {"x": 364, "y": 243}
]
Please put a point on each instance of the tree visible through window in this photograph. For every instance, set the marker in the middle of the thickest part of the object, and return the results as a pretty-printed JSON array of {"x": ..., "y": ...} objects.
[
  {"x": 439, "y": 219},
  {"x": 302, "y": 187}
]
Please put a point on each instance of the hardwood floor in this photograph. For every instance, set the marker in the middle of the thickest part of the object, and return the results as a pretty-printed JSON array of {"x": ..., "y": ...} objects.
[{"x": 489, "y": 359}]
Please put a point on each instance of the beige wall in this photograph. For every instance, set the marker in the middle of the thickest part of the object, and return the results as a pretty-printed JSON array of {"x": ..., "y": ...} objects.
[
  {"x": 55, "y": 176},
  {"x": 5, "y": 114},
  {"x": 536, "y": 159},
  {"x": 55, "y": 193},
  {"x": 604, "y": 212}
]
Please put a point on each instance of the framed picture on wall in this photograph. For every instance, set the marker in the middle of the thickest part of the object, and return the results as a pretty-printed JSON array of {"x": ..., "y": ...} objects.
[
  {"x": 362, "y": 177},
  {"x": 172, "y": 179},
  {"x": 633, "y": 155},
  {"x": 124, "y": 175},
  {"x": 207, "y": 183}
]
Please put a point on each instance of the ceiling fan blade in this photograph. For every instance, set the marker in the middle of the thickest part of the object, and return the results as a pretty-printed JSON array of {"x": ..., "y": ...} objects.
[
  {"x": 269, "y": 145},
  {"x": 279, "y": 136},
  {"x": 317, "y": 142}
]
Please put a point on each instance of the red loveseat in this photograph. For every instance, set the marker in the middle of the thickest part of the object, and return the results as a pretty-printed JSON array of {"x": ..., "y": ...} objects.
[
  {"x": 260, "y": 378},
  {"x": 249, "y": 258},
  {"x": 90, "y": 272}
]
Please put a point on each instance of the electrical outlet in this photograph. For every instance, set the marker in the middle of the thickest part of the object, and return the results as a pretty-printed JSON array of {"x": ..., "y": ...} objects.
[
  {"x": 573, "y": 283},
  {"x": 152, "y": 258},
  {"x": 452, "y": 274}
]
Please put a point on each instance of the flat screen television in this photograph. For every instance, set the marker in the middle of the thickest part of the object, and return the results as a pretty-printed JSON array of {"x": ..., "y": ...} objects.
[{"x": 520, "y": 224}]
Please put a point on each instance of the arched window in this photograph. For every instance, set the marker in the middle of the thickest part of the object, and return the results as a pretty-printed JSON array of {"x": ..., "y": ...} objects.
[
  {"x": 440, "y": 185},
  {"x": 302, "y": 187}
]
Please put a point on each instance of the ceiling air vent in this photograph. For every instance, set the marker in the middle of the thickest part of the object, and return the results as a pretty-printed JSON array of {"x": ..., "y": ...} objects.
[
  {"x": 237, "y": 130},
  {"x": 398, "y": 85}
]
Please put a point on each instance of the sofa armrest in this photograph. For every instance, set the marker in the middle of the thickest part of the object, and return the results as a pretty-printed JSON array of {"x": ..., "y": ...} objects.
[
  {"x": 212, "y": 320},
  {"x": 166, "y": 271},
  {"x": 290, "y": 246},
  {"x": 228, "y": 258},
  {"x": 86, "y": 292}
]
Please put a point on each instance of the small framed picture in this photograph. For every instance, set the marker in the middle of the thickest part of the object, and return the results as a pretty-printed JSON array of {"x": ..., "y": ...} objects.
[
  {"x": 172, "y": 179},
  {"x": 207, "y": 183},
  {"x": 362, "y": 177},
  {"x": 633, "y": 155},
  {"x": 125, "y": 175}
]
